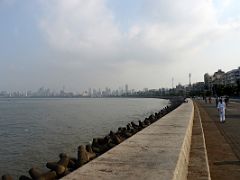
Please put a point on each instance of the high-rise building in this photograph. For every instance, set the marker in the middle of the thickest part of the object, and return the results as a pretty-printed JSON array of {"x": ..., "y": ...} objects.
[
  {"x": 216, "y": 79},
  {"x": 208, "y": 81},
  {"x": 126, "y": 88},
  {"x": 90, "y": 92},
  {"x": 190, "y": 76},
  {"x": 220, "y": 78},
  {"x": 232, "y": 77},
  {"x": 145, "y": 89}
]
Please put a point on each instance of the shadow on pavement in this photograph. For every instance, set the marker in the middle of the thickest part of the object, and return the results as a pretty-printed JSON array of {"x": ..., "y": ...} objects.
[{"x": 234, "y": 162}]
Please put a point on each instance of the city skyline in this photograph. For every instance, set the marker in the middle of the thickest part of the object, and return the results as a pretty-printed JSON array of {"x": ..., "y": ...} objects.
[
  {"x": 220, "y": 82},
  {"x": 91, "y": 92},
  {"x": 144, "y": 43},
  {"x": 120, "y": 87}
]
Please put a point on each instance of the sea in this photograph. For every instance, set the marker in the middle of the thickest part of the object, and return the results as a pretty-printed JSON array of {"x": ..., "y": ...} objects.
[{"x": 34, "y": 131}]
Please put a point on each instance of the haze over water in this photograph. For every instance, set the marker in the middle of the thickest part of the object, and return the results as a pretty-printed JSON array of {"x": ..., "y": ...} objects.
[{"x": 34, "y": 131}]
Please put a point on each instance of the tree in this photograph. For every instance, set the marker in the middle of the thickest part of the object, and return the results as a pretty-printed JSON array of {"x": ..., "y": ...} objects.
[{"x": 238, "y": 87}]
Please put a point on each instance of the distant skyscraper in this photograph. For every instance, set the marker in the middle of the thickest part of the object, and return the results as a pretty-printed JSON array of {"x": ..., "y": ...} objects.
[
  {"x": 189, "y": 75},
  {"x": 126, "y": 88},
  {"x": 90, "y": 92}
]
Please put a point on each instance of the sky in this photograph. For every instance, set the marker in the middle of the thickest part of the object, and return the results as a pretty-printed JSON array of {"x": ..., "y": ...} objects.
[{"x": 81, "y": 44}]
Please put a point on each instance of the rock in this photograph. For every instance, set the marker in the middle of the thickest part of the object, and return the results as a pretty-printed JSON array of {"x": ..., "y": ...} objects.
[
  {"x": 141, "y": 124},
  {"x": 63, "y": 161},
  {"x": 61, "y": 166},
  {"x": 135, "y": 126},
  {"x": 90, "y": 152},
  {"x": 146, "y": 122},
  {"x": 55, "y": 167},
  {"x": 35, "y": 173},
  {"x": 23, "y": 177},
  {"x": 51, "y": 175},
  {"x": 7, "y": 177},
  {"x": 115, "y": 139},
  {"x": 100, "y": 148},
  {"x": 82, "y": 156},
  {"x": 72, "y": 165},
  {"x": 61, "y": 155}
]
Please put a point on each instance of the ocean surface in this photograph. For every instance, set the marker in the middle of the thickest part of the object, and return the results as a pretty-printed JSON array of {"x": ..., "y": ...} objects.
[{"x": 35, "y": 131}]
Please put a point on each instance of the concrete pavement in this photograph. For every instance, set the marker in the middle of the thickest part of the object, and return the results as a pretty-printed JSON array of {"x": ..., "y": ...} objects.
[{"x": 222, "y": 140}]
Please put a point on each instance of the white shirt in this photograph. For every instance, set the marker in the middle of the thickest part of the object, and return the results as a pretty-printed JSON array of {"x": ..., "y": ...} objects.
[{"x": 221, "y": 107}]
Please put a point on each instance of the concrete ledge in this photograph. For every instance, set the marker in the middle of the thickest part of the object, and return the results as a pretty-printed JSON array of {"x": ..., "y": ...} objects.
[
  {"x": 160, "y": 151},
  {"x": 198, "y": 167}
]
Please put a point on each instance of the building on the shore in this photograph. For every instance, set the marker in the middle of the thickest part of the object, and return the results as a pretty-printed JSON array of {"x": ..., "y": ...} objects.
[
  {"x": 208, "y": 81},
  {"x": 218, "y": 77},
  {"x": 198, "y": 86},
  {"x": 180, "y": 89},
  {"x": 232, "y": 77},
  {"x": 194, "y": 89},
  {"x": 221, "y": 80},
  {"x": 126, "y": 89},
  {"x": 229, "y": 78}
]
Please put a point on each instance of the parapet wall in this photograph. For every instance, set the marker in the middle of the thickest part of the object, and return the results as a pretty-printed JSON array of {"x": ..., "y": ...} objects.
[{"x": 160, "y": 151}]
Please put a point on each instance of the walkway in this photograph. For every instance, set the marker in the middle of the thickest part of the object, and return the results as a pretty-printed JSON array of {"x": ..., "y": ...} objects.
[{"x": 222, "y": 140}]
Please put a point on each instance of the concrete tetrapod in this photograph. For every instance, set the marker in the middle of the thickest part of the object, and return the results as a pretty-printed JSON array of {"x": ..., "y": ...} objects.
[
  {"x": 84, "y": 156},
  {"x": 7, "y": 177},
  {"x": 38, "y": 175}
]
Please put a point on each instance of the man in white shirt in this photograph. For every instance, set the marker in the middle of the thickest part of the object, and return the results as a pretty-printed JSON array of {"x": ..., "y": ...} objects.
[{"x": 221, "y": 109}]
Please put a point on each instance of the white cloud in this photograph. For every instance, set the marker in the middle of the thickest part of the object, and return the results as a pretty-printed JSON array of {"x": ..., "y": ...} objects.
[
  {"x": 166, "y": 30},
  {"x": 79, "y": 25}
]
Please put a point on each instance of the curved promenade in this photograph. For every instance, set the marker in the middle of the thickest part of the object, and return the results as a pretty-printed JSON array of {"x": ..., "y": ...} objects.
[
  {"x": 160, "y": 151},
  {"x": 222, "y": 140}
]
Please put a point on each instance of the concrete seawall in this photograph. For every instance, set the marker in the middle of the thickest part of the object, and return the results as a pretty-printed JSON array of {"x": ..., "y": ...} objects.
[{"x": 160, "y": 151}]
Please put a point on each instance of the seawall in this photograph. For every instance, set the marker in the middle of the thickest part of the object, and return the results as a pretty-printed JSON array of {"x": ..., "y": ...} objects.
[{"x": 160, "y": 151}]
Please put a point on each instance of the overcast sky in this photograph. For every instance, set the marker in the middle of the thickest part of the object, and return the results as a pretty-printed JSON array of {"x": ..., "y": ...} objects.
[{"x": 97, "y": 43}]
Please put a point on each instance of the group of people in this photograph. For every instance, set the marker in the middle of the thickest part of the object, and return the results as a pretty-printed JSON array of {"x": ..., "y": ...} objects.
[{"x": 208, "y": 99}]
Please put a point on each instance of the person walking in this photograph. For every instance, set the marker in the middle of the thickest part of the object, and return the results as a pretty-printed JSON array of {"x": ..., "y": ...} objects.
[
  {"x": 210, "y": 100},
  {"x": 221, "y": 109},
  {"x": 226, "y": 100}
]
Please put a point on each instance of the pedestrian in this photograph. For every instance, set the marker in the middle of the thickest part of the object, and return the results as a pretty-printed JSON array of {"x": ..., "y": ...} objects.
[
  {"x": 221, "y": 109},
  {"x": 210, "y": 100},
  {"x": 226, "y": 100}
]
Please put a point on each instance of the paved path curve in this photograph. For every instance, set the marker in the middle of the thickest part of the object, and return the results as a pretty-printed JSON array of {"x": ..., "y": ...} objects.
[{"x": 222, "y": 140}]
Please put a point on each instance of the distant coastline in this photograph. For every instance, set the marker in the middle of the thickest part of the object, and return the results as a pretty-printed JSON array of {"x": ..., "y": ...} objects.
[{"x": 85, "y": 97}]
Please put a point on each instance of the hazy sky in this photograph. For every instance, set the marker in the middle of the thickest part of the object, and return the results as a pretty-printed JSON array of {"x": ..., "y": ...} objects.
[{"x": 97, "y": 43}]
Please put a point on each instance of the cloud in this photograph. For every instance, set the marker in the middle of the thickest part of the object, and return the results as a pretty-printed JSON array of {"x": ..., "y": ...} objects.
[
  {"x": 79, "y": 25},
  {"x": 86, "y": 26},
  {"x": 170, "y": 26},
  {"x": 165, "y": 31}
]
